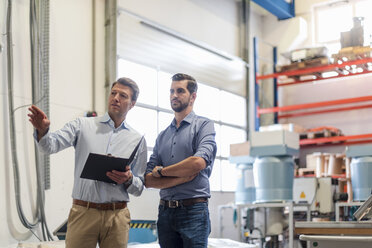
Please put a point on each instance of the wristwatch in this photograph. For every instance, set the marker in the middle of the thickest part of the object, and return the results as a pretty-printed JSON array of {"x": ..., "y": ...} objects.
[{"x": 159, "y": 171}]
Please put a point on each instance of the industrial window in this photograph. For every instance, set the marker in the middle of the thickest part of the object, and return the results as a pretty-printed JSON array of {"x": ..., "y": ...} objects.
[
  {"x": 153, "y": 102},
  {"x": 337, "y": 17},
  {"x": 150, "y": 54}
]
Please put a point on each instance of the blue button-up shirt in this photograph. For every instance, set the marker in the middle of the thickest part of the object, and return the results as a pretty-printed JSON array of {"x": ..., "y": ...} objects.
[
  {"x": 99, "y": 135},
  {"x": 194, "y": 137}
]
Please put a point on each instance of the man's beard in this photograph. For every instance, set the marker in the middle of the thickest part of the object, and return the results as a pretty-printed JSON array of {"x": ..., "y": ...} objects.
[{"x": 181, "y": 107}]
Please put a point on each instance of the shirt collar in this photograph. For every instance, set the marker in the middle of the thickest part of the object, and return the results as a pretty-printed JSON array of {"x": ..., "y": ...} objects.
[
  {"x": 107, "y": 119},
  {"x": 187, "y": 119}
]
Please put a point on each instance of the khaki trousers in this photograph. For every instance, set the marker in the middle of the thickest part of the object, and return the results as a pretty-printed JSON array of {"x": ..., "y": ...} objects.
[{"x": 88, "y": 226}]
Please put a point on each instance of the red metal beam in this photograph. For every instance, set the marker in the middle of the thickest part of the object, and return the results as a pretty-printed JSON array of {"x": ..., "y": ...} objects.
[
  {"x": 319, "y": 79},
  {"x": 335, "y": 139},
  {"x": 347, "y": 143},
  {"x": 324, "y": 111},
  {"x": 329, "y": 67},
  {"x": 314, "y": 105}
]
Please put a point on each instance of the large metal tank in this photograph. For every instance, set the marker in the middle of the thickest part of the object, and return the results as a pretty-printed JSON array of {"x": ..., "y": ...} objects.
[
  {"x": 361, "y": 177},
  {"x": 245, "y": 190},
  {"x": 273, "y": 178}
]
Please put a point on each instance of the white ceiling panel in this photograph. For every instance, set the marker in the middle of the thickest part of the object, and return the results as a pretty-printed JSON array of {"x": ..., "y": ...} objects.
[{"x": 147, "y": 43}]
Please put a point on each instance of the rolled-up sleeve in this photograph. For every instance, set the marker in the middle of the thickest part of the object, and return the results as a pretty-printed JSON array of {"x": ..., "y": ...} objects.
[
  {"x": 138, "y": 168},
  {"x": 206, "y": 144}
]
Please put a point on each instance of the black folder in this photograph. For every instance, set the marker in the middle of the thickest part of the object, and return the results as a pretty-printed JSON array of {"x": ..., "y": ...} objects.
[{"x": 97, "y": 165}]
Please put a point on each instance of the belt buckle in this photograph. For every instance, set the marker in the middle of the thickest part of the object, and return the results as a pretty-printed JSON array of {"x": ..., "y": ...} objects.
[{"x": 173, "y": 204}]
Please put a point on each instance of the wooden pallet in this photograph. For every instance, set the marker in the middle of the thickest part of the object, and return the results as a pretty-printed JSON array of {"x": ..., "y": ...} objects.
[
  {"x": 321, "y": 132},
  {"x": 353, "y": 53},
  {"x": 304, "y": 64}
]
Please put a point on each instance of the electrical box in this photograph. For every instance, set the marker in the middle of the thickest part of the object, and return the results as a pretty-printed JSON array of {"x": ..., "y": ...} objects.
[
  {"x": 317, "y": 191},
  {"x": 324, "y": 196},
  {"x": 304, "y": 189}
]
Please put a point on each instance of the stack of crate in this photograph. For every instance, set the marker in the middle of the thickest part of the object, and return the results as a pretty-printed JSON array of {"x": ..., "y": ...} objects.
[{"x": 353, "y": 53}]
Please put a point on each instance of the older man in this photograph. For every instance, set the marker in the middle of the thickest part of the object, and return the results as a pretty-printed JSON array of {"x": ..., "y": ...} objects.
[{"x": 99, "y": 213}]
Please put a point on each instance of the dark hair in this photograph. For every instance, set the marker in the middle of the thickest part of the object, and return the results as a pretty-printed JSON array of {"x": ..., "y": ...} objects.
[
  {"x": 192, "y": 85},
  {"x": 131, "y": 84}
]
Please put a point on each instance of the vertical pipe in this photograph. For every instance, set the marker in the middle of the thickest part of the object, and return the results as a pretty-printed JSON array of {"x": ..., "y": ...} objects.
[
  {"x": 275, "y": 85},
  {"x": 348, "y": 178},
  {"x": 239, "y": 222},
  {"x": 245, "y": 55},
  {"x": 291, "y": 223},
  {"x": 93, "y": 55},
  {"x": 256, "y": 86},
  {"x": 110, "y": 43}
]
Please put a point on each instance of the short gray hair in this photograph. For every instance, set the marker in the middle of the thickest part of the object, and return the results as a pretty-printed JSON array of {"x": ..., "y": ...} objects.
[{"x": 131, "y": 84}]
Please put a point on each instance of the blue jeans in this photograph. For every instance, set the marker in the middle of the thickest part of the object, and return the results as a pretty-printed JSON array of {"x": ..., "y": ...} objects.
[{"x": 184, "y": 227}]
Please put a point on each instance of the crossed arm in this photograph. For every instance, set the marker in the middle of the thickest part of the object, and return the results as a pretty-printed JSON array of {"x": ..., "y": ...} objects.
[{"x": 179, "y": 173}]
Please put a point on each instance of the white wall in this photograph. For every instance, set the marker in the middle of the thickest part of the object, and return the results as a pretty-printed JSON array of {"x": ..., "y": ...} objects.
[
  {"x": 70, "y": 97},
  {"x": 213, "y": 22}
]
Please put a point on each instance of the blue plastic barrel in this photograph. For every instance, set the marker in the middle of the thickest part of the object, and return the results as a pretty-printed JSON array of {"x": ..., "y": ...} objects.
[
  {"x": 273, "y": 178},
  {"x": 245, "y": 190},
  {"x": 361, "y": 177}
]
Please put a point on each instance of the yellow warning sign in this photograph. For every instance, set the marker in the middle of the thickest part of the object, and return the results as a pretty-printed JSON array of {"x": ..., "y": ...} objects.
[{"x": 302, "y": 195}]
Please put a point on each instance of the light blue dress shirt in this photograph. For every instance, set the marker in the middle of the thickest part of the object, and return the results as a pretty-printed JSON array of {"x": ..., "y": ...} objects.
[
  {"x": 194, "y": 137},
  {"x": 99, "y": 135}
]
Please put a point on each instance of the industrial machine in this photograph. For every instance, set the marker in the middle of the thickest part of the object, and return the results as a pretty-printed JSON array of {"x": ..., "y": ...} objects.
[
  {"x": 361, "y": 185},
  {"x": 320, "y": 193},
  {"x": 358, "y": 230},
  {"x": 361, "y": 170},
  {"x": 340, "y": 234},
  {"x": 264, "y": 195},
  {"x": 245, "y": 190}
]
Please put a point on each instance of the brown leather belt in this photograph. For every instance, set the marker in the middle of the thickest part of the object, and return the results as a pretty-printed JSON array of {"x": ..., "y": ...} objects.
[
  {"x": 101, "y": 206},
  {"x": 184, "y": 202}
]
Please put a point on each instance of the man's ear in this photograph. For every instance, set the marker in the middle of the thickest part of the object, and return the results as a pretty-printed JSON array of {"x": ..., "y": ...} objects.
[
  {"x": 193, "y": 96},
  {"x": 132, "y": 104}
]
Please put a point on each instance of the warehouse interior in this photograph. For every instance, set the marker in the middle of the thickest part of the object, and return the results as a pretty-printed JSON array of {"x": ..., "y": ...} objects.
[{"x": 285, "y": 82}]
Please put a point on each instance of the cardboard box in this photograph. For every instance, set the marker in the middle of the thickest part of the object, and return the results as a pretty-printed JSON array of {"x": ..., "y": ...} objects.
[
  {"x": 275, "y": 143},
  {"x": 272, "y": 138},
  {"x": 291, "y": 127},
  {"x": 240, "y": 149}
]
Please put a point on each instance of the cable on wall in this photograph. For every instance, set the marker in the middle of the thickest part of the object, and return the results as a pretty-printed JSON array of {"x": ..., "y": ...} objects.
[
  {"x": 39, "y": 39},
  {"x": 28, "y": 224}
]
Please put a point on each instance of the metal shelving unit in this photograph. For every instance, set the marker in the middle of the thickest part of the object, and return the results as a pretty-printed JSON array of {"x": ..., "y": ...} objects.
[{"x": 343, "y": 69}]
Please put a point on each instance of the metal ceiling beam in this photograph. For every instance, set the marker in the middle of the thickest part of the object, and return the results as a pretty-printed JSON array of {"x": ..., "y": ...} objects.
[{"x": 279, "y": 8}]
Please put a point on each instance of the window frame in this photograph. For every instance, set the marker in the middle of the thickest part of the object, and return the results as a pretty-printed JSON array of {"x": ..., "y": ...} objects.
[{"x": 351, "y": 3}]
